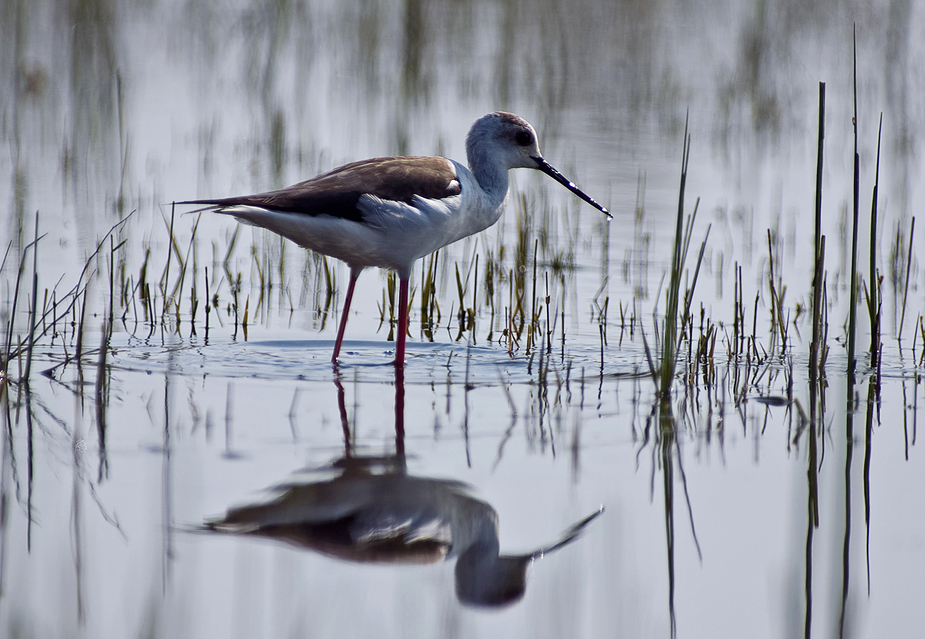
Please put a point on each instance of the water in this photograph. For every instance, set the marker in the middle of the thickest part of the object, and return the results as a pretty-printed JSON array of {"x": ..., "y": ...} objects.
[{"x": 110, "y": 469}]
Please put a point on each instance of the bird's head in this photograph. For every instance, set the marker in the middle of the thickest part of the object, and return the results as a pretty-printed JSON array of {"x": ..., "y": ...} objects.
[{"x": 509, "y": 141}]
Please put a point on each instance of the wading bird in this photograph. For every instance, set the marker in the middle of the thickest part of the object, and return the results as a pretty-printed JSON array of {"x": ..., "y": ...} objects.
[{"x": 391, "y": 211}]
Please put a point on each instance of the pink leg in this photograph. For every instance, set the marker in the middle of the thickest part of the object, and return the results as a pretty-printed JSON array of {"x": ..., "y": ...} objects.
[
  {"x": 400, "y": 411},
  {"x": 402, "y": 321},
  {"x": 344, "y": 314}
]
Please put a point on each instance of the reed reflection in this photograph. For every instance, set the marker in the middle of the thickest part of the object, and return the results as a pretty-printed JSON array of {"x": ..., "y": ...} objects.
[{"x": 369, "y": 509}]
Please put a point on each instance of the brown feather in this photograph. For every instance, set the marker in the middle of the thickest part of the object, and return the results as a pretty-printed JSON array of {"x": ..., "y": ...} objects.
[{"x": 337, "y": 192}]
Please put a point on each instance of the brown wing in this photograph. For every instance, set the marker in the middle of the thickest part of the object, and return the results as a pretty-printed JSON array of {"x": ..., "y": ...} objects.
[{"x": 337, "y": 192}]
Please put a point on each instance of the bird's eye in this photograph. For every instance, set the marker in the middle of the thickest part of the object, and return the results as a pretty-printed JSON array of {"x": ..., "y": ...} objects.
[{"x": 523, "y": 138}]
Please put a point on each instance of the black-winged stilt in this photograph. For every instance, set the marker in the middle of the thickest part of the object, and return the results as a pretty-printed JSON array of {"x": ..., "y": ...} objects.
[{"x": 391, "y": 211}]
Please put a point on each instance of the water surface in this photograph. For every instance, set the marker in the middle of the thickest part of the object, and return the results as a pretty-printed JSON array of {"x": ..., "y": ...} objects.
[{"x": 739, "y": 517}]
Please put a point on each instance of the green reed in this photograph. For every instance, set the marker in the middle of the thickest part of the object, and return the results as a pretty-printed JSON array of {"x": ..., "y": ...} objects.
[
  {"x": 874, "y": 300},
  {"x": 670, "y": 332},
  {"x": 902, "y": 316},
  {"x": 852, "y": 309}
]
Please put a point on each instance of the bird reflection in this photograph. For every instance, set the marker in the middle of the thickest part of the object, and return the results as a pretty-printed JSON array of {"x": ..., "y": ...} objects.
[{"x": 369, "y": 509}]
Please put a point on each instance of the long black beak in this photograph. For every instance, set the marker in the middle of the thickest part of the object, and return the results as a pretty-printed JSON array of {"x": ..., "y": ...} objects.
[{"x": 548, "y": 169}]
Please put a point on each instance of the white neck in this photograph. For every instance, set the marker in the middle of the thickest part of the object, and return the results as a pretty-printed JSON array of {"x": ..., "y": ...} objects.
[{"x": 491, "y": 176}]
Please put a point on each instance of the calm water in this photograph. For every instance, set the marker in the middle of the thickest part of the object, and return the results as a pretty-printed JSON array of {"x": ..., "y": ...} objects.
[{"x": 133, "y": 483}]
